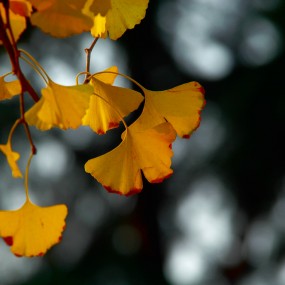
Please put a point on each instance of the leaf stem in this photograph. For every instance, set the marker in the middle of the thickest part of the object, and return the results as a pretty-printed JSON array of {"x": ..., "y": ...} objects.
[
  {"x": 27, "y": 176},
  {"x": 123, "y": 75},
  {"x": 88, "y": 52},
  {"x": 35, "y": 65}
]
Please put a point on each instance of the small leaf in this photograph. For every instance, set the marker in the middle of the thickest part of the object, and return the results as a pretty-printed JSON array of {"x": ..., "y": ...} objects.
[
  {"x": 32, "y": 230},
  {"x": 9, "y": 89},
  {"x": 108, "y": 108},
  {"x": 12, "y": 158}
]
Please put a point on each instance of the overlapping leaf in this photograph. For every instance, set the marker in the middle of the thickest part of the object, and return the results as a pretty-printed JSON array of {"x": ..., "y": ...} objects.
[
  {"x": 32, "y": 230},
  {"x": 60, "y": 106},
  {"x": 114, "y": 17},
  {"x": 60, "y": 18},
  {"x": 180, "y": 106},
  {"x": 109, "y": 104}
]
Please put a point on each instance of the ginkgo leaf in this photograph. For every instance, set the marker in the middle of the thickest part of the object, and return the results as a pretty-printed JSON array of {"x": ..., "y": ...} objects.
[
  {"x": 12, "y": 158},
  {"x": 148, "y": 151},
  {"x": 9, "y": 89},
  {"x": 60, "y": 106},
  {"x": 109, "y": 105},
  {"x": 17, "y": 18},
  {"x": 60, "y": 18},
  {"x": 32, "y": 230},
  {"x": 108, "y": 75},
  {"x": 114, "y": 17},
  {"x": 180, "y": 106}
]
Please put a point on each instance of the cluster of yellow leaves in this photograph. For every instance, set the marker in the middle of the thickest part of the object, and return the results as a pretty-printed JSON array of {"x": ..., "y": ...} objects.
[
  {"x": 69, "y": 17},
  {"x": 146, "y": 146}
]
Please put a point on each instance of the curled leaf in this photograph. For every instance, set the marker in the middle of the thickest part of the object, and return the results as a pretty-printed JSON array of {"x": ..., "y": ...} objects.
[
  {"x": 12, "y": 158},
  {"x": 9, "y": 89},
  {"x": 32, "y": 230}
]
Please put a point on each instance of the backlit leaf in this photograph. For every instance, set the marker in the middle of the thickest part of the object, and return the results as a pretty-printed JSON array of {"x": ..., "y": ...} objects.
[
  {"x": 32, "y": 230},
  {"x": 60, "y": 18},
  {"x": 60, "y": 106},
  {"x": 112, "y": 104},
  {"x": 9, "y": 89},
  {"x": 114, "y": 17},
  {"x": 147, "y": 151},
  {"x": 12, "y": 158},
  {"x": 180, "y": 106}
]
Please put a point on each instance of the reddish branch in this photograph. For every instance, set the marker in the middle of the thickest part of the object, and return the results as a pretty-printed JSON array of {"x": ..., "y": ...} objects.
[{"x": 13, "y": 52}]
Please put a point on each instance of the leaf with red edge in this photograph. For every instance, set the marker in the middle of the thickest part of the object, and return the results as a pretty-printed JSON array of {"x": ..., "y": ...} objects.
[
  {"x": 32, "y": 230},
  {"x": 109, "y": 104},
  {"x": 9, "y": 89},
  {"x": 180, "y": 106},
  {"x": 17, "y": 14},
  {"x": 148, "y": 151}
]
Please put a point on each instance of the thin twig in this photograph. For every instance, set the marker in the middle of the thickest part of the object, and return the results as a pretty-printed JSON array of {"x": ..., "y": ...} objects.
[
  {"x": 14, "y": 54},
  {"x": 14, "y": 57},
  {"x": 26, "y": 126},
  {"x": 88, "y": 52}
]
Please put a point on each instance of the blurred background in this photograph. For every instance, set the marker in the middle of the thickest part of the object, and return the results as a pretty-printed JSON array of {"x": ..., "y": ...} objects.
[{"x": 220, "y": 219}]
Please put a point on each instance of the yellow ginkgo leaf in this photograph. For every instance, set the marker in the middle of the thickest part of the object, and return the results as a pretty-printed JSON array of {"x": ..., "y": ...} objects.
[
  {"x": 114, "y": 17},
  {"x": 32, "y": 230},
  {"x": 12, "y": 158},
  {"x": 60, "y": 106},
  {"x": 107, "y": 76},
  {"x": 60, "y": 18},
  {"x": 119, "y": 170},
  {"x": 17, "y": 16},
  {"x": 109, "y": 105},
  {"x": 9, "y": 89},
  {"x": 180, "y": 106}
]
